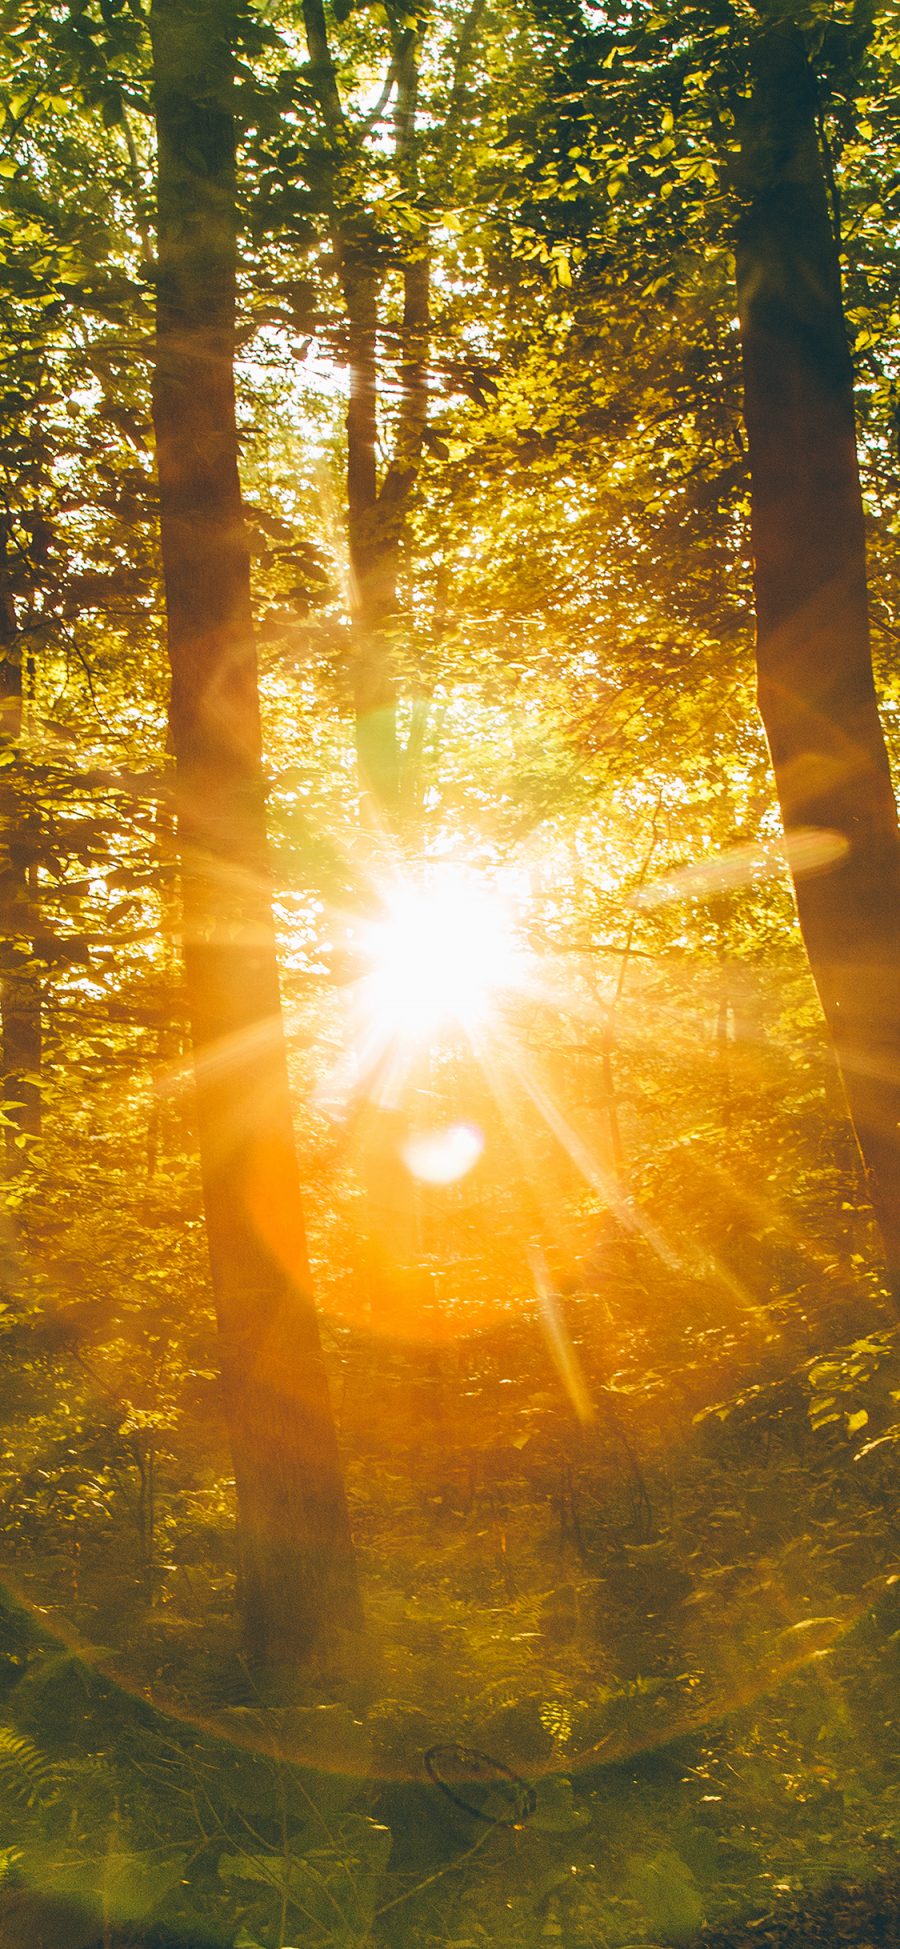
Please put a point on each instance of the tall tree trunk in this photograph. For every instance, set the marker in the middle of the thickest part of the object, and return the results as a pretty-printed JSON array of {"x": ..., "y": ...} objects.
[
  {"x": 376, "y": 512},
  {"x": 377, "y": 533},
  {"x": 20, "y": 990},
  {"x": 298, "y": 1575},
  {"x": 816, "y": 689},
  {"x": 372, "y": 548}
]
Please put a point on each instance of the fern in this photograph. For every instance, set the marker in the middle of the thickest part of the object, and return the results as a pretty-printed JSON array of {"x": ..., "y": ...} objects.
[{"x": 26, "y": 1774}]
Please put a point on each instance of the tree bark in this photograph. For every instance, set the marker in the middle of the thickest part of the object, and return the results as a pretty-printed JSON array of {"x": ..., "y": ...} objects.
[
  {"x": 815, "y": 682},
  {"x": 298, "y": 1579}
]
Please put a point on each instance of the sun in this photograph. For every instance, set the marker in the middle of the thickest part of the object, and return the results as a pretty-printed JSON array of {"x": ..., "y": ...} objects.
[{"x": 440, "y": 954}]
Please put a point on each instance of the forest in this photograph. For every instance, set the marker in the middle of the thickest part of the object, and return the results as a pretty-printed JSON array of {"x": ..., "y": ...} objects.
[{"x": 449, "y": 974}]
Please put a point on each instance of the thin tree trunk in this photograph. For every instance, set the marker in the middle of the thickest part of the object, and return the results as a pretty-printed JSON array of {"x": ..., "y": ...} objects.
[
  {"x": 298, "y": 1576},
  {"x": 376, "y": 512},
  {"x": 20, "y": 992},
  {"x": 816, "y": 688},
  {"x": 373, "y": 552}
]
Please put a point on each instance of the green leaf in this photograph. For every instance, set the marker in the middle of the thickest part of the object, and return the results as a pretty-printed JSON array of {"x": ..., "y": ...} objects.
[
  {"x": 556, "y": 1811},
  {"x": 667, "y": 1891}
]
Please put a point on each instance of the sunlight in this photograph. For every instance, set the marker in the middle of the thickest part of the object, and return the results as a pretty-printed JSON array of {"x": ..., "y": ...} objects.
[
  {"x": 440, "y": 955},
  {"x": 443, "y": 1156}
]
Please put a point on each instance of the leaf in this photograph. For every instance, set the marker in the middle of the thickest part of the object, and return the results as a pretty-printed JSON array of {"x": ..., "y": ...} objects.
[
  {"x": 556, "y": 1811},
  {"x": 251, "y": 1867},
  {"x": 133, "y": 1884},
  {"x": 334, "y": 1887},
  {"x": 667, "y": 1890}
]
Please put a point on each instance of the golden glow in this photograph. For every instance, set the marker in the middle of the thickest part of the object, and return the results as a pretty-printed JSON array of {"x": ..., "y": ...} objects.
[
  {"x": 438, "y": 957},
  {"x": 443, "y": 1156}
]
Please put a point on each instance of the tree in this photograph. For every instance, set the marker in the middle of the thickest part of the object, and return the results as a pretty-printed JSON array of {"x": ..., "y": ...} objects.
[
  {"x": 298, "y": 1574},
  {"x": 370, "y": 249},
  {"x": 816, "y": 688},
  {"x": 663, "y": 109}
]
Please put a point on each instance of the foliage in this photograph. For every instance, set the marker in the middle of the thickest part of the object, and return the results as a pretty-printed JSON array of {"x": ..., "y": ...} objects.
[{"x": 661, "y": 1592}]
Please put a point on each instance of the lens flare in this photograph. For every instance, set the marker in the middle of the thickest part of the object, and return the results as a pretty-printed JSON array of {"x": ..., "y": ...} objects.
[
  {"x": 438, "y": 957},
  {"x": 443, "y": 1156}
]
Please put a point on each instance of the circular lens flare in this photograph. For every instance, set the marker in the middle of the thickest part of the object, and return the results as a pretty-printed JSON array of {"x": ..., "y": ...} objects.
[{"x": 443, "y": 1156}]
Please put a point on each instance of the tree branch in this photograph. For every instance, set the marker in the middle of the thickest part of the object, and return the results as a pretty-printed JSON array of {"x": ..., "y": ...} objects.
[
  {"x": 401, "y": 473},
  {"x": 376, "y": 113},
  {"x": 322, "y": 70},
  {"x": 464, "y": 49}
]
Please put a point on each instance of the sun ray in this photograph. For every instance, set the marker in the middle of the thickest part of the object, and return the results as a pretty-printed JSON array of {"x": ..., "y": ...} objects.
[
  {"x": 559, "y": 1340},
  {"x": 809, "y": 849},
  {"x": 618, "y": 1202}
]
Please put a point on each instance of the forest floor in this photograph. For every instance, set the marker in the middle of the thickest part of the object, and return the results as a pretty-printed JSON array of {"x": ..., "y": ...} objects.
[{"x": 631, "y": 1677}]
